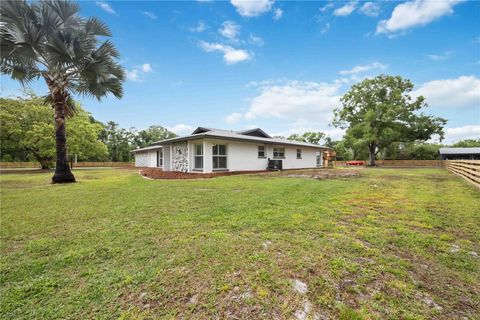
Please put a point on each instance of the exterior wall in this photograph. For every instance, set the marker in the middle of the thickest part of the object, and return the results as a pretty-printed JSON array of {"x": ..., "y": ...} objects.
[
  {"x": 166, "y": 159},
  {"x": 147, "y": 158},
  {"x": 152, "y": 158},
  {"x": 243, "y": 156},
  {"x": 180, "y": 157},
  {"x": 207, "y": 156},
  {"x": 308, "y": 160},
  {"x": 141, "y": 159}
]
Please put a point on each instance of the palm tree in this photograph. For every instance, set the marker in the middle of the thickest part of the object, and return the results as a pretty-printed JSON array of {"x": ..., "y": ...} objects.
[{"x": 49, "y": 40}]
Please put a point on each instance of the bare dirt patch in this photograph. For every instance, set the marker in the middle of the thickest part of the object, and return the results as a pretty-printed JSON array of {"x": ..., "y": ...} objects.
[
  {"x": 324, "y": 174},
  {"x": 156, "y": 173}
]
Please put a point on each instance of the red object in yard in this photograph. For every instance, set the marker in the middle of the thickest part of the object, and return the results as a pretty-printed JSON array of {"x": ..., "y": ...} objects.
[{"x": 355, "y": 163}]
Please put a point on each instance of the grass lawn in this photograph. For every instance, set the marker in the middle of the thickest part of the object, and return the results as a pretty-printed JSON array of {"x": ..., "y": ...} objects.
[{"x": 391, "y": 243}]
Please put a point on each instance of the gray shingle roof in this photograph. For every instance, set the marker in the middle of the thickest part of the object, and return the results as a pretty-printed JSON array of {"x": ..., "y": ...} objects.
[
  {"x": 232, "y": 135},
  {"x": 459, "y": 151},
  {"x": 147, "y": 148}
]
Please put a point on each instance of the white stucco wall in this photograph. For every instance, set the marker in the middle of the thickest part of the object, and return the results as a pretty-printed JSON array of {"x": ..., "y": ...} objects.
[
  {"x": 166, "y": 159},
  {"x": 243, "y": 156},
  {"x": 308, "y": 160},
  {"x": 141, "y": 159},
  {"x": 147, "y": 158}
]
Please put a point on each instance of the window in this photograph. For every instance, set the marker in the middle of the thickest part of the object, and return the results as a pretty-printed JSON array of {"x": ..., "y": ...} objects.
[
  {"x": 199, "y": 156},
  {"x": 160, "y": 158},
  {"x": 219, "y": 158},
  {"x": 261, "y": 151},
  {"x": 279, "y": 152},
  {"x": 299, "y": 153}
]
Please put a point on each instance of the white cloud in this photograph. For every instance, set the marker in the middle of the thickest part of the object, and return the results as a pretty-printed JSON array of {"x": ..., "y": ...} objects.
[
  {"x": 277, "y": 14},
  {"x": 252, "y": 8},
  {"x": 201, "y": 26},
  {"x": 133, "y": 74},
  {"x": 230, "y": 55},
  {"x": 230, "y": 30},
  {"x": 137, "y": 72},
  {"x": 326, "y": 7},
  {"x": 149, "y": 14},
  {"x": 415, "y": 13},
  {"x": 345, "y": 10},
  {"x": 325, "y": 28},
  {"x": 296, "y": 100},
  {"x": 146, "y": 68},
  {"x": 453, "y": 135},
  {"x": 370, "y": 9},
  {"x": 181, "y": 129},
  {"x": 463, "y": 91},
  {"x": 364, "y": 68},
  {"x": 440, "y": 57},
  {"x": 256, "y": 40},
  {"x": 233, "y": 118},
  {"x": 106, "y": 7}
]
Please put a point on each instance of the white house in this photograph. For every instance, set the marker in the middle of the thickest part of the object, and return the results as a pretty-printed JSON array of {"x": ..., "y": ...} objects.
[{"x": 210, "y": 150}]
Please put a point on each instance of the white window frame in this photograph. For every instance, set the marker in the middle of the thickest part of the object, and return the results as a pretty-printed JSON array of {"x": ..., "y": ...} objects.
[
  {"x": 218, "y": 155},
  {"x": 262, "y": 151},
  {"x": 196, "y": 155},
  {"x": 318, "y": 159},
  {"x": 159, "y": 157},
  {"x": 299, "y": 153},
  {"x": 279, "y": 152}
]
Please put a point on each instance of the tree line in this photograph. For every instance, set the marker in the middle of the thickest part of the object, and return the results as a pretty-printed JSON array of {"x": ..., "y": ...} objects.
[
  {"x": 346, "y": 149},
  {"x": 28, "y": 134}
]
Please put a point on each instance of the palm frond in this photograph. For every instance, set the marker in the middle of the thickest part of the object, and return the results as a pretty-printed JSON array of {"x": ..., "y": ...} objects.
[
  {"x": 10, "y": 11},
  {"x": 99, "y": 88},
  {"x": 48, "y": 19},
  {"x": 49, "y": 38},
  {"x": 66, "y": 11},
  {"x": 20, "y": 71},
  {"x": 96, "y": 27}
]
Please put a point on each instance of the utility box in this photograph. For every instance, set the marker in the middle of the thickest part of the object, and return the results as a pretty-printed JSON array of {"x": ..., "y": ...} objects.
[{"x": 274, "y": 165}]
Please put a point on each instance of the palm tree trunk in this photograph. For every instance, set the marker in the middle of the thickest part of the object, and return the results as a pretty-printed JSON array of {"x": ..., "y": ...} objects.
[{"x": 63, "y": 174}]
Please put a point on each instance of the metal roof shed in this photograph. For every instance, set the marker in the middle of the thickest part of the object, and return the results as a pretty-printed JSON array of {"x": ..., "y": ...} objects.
[{"x": 459, "y": 153}]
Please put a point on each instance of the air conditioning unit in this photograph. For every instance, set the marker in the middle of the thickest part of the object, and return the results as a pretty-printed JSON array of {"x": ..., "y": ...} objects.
[{"x": 275, "y": 165}]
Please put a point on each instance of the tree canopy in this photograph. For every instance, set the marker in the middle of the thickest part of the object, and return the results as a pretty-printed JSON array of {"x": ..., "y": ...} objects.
[
  {"x": 153, "y": 133},
  {"x": 27, "y": 134},
  {"x": 28, "y": 130},
  {"x": 310, "y": 137},
  {"x": 467, "y": 143},
  {"x": 380, "y": 111}
]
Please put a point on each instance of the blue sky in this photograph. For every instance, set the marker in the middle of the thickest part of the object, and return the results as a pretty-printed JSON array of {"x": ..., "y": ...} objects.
[{"x": 283, "y": 66}]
